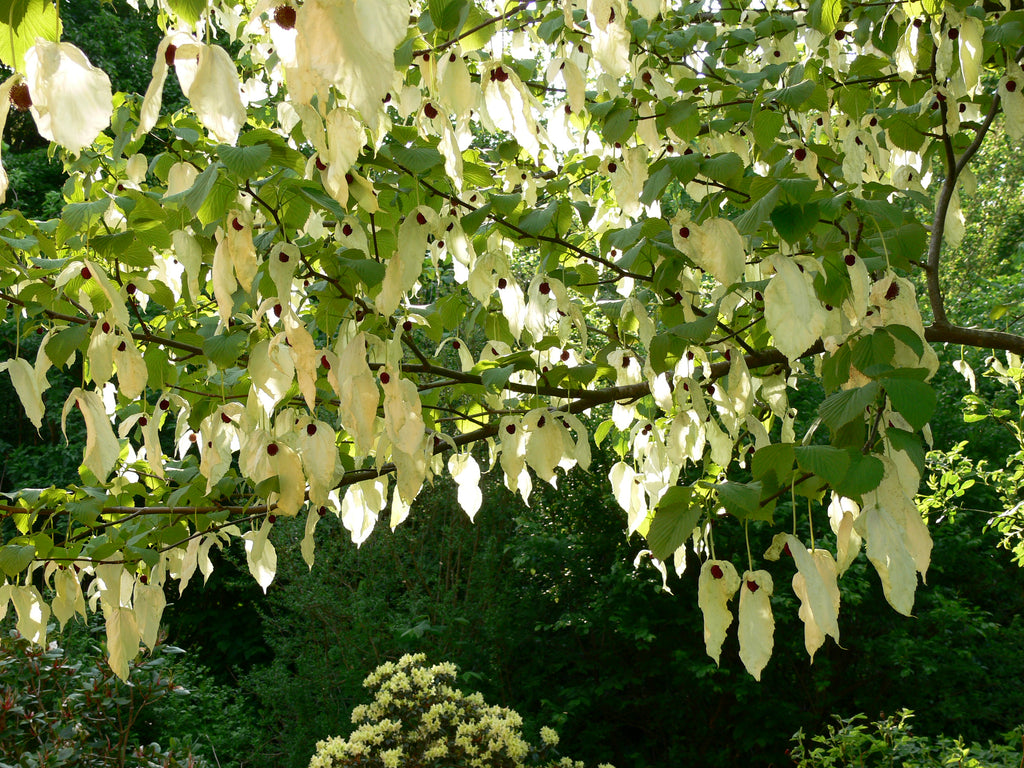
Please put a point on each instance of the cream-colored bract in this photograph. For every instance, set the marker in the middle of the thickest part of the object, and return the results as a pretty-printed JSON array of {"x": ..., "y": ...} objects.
[
  {"x": 71, "y": 99},
  {"x": 756, "y": 623},
  {"x": 716, "y": 586}
]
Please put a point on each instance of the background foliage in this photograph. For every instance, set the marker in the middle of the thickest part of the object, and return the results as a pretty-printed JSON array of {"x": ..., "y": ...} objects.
[{"x": 542, "y": 608}]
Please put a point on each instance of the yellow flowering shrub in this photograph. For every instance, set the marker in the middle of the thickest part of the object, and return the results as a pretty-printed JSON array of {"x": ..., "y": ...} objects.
[{"x": 418, "y": 718}]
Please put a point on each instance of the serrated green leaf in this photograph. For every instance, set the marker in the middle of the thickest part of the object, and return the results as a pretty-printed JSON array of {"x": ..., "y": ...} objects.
[
  {"x": 830, "y": 13},
  {"x": 21, "y": 22},
  {"x": 843, "y": 407},
  {"x": 195, "y": 196},
  {"x": 904, "y": 132},
  {"x": 496, "y": 378},
  {"x": 830, "y": 464},
  {"x": 188, "y": 11},
  {"x": 244, "y": 162},
  {"x": 62, "y": 344},
  {"x": 793, "y": 95},
  {"x": 370, "y": 272},
  {"x": 535, "y": 222},
  {"x": 767, "y": 125},
  {"x": 909, "y": 443},
  {"x": 674, "y": 521},
  {"x": 908, "y": 336},
  {"x": 743, "y": 500},
  {"x": 619, "y": 124},
  {"x": 798, "y": 190},
  {"x": 15, "y": 558},
  {"x": 602, "y": 431},
  {"x": 417, "y": 159},
  {"x": 776, "y": 459},
  {"x": 792, "y": 222},
  {"x": 835, "y": 370},
  {"x": 445, "y": 13},
  {"x": 723, "y": 168},
  {"x": 864, "y": 474},
  {"x": 874, "y": 350},
  {"x": 225, "y": 348},
  {"x": 915, "y": 400}
]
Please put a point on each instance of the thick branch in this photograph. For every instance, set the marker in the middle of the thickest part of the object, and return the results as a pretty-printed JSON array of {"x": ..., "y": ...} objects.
[
  {"x": 147, "y": 337},
  {"x": 982, "y": 338},
  {"x": 954, "y": 167}
]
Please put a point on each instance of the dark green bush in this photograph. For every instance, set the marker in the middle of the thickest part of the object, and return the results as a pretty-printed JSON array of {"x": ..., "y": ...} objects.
[
  {"x": 892, "y": 743},
  {"x": 64, "y": 711}
]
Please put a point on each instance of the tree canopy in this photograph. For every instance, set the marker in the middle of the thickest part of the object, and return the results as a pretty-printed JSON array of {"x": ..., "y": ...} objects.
[{"x": 388, "y": 240}]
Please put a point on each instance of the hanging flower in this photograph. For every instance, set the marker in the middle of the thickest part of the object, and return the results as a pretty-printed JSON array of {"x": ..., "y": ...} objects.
[
  {"x": 71, "y": 99},
  {"x": 208, "y": 79}
]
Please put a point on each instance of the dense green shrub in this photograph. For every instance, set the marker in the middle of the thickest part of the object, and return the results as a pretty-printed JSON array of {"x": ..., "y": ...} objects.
[
  {"x": 214, "y": 718},
  {"x": 891, "y": 742},
  {"x": 418, "y": 718},
  {"x": 64, "y": 711}
]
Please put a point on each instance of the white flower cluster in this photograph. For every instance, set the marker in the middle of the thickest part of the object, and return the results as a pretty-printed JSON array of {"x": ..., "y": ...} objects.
[{"x": 419, "y": 718}]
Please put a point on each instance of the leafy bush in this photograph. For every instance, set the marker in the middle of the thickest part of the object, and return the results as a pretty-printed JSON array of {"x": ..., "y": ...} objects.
[
  {"x": 63, "y": 711},
  {"x": 214, "y": 719},
  {"x": 418, "y": 718},
  {"x": 891, "y": 742}
]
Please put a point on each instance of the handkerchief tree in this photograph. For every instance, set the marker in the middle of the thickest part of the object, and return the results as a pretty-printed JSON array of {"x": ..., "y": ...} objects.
[{"x": 388, "y": 240}]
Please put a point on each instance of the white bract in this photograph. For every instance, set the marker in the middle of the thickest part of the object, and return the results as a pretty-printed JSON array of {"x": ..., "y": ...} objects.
[{"x": 71, "y": 99}]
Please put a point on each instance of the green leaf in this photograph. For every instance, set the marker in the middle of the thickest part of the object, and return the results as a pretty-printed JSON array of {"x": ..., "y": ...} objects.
[
  {"x": 684, "y": 168},
  {"x": 602, "y": 431},
  {"x": 21, "y": 22},
  {"x": 62, "y": 344},
  {"x": 77, "y": 217},
  {"x": 743, "y": 500},
  {"x": 835, "y": 370},
  {"x": 417, "y": 159},
  {"x": 225, "y": 348},
  {"x": 799, "y": 190},
  {"x": 723, "y": 168},
  {"x": 244, "y": 162},
  {"x": 904, "y": 132},
  {"x": 698, "y": 330},
  {"x": 843, "y": 407},
  {"x": 368, "y": 271},
  {"x": 909, "y": 443},
  {"x": 505, "y": 204},
  {"x": 774, "y": 460},
  {"x": 188, "y": 11},
  {"x": 767, "y": 125},
  {"x": 828, "y": 15},
  {"x": 794, "y": 221},
  {"x": 908, "y": 336},
  {"x": 660, "y": 176},
  {"x": 15, "y": 558},
  {"x": 445, "y": 13},
  {"x": 915, "y": 400},
  {"x": 854, "y": 101},
  {"x": 679, "y": 116},
  {"x": 830, "y": 464},
  {"x": 619, "y": 125},
  {"x": 496, "y": 378},
  {"x": 674, "y": 521},
  {"x": 864, "y": 474},
  {"x": 222, "y": 197},
  {"x": 874, "y": 350},
  {"x": 751, "y": 219},
  {"x": 195, "y": 196},
  {"x": 549, "y": 28},
  {"x": 793, "y": 95},
  {"x": 316, "y": 196},
  {"x": 535, "y": 222}
]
